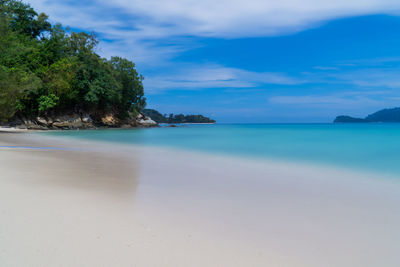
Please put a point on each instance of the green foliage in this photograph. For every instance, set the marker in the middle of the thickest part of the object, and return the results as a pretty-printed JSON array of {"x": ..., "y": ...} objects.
[
  {"x": 24, "y": 19},
  {"x": 180, "y": 118},
  {"x": 155, "y": 115},
  {"x": 46, "y": 68},
  {"x": 391, "y": 115},
  {"x": 14, "y": 84},
  {"x": 131, "y": 90},
  {"x": 47, "y": 102}
]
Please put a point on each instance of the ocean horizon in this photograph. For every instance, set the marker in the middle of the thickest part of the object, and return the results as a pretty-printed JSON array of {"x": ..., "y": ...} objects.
[{"x": 369, "y": 147}]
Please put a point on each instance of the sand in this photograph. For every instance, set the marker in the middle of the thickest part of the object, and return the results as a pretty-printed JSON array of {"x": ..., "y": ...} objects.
[{"x": 78, "y": 203}]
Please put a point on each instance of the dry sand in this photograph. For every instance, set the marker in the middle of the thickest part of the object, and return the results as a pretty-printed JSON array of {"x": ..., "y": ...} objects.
[{"x": 76, "y": 203}]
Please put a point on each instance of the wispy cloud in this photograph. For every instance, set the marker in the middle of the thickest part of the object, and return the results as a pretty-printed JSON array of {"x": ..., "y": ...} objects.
[
  {"x": 136, "y": 27},
  {"x": 238, "y": 18},
  {"x": 325, "y": 68},
  {"x": 323, "y": 100},
  {"x": 344, "y": 102},
  {"x": 193, "y": 77},
  {"x": 366, "y": 77},
  {"x": 375, "y": 78},
  {"x": 363, "y": 73},
  {"x": 370, "y": 62},
  {"x": 361, "y": 81}
]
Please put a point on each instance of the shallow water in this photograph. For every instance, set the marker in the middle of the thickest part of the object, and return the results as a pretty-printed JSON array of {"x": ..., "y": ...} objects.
[
  {"x": 141, "y": 201},
  {"x": 372, "y": 147}
]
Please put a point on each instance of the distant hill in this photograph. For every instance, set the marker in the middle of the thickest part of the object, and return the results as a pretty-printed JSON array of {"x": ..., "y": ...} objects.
[
  {"x": 385, "y": 115},
  {"x": 179, "y": 118},
  {"x": 348, "y": 119}
]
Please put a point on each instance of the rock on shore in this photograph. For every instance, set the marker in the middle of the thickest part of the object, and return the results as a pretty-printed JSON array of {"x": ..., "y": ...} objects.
[{"x": 80, "y": 121}]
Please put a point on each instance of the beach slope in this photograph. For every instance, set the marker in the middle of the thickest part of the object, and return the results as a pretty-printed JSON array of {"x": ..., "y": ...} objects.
[{"x": 66, "y": 202}]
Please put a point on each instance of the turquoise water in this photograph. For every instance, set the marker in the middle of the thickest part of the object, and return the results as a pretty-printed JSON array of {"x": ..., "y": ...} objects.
[{"x": 361, "y": 146}]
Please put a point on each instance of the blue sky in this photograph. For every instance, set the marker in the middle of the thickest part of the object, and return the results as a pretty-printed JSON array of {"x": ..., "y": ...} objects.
[{"x": 254, "y": 60}]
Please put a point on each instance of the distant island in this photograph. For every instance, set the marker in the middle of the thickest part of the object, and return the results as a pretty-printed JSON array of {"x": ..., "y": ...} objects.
[
  {"x": 385, "y": 115},
  {"x": 179, "y": 118}
]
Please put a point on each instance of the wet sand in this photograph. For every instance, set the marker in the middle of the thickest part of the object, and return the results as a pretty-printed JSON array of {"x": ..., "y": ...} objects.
[{"x": 77, "y": 203}]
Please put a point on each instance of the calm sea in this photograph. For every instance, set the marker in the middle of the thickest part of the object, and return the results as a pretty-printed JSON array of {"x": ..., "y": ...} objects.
[{"x": 372, "y": 147}]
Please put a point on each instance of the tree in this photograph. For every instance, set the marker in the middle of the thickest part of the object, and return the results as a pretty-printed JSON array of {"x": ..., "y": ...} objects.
[
  {"x": 82, "y": 43},
  {"x": 98, "y": 90},
  {"x": 24, "y": 18},
  {"x": 180, "y": 118},
  {"x": 47, "y": 102},
  {"x": 14, "y": 84},
  {"x": 47, "y": 68},
  {"x": 132, "y": 92}
]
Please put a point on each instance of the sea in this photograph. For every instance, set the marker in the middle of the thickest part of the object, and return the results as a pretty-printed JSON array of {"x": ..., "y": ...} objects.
[{"x": 366, "y": 147}]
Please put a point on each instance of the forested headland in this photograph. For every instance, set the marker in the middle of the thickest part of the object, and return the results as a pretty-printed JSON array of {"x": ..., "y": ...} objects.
[
  {"x": 389, "y": 115},
  {"x": 178, "y": 118},
  {"x": 47, "y": 70}
]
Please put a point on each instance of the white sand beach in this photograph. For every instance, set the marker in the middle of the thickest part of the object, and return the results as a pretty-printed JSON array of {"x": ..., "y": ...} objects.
[{"x": 66, "y": 202}]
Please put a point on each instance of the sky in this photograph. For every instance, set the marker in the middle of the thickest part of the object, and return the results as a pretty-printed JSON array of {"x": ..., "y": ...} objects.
[{"x": 257, "y": 61}]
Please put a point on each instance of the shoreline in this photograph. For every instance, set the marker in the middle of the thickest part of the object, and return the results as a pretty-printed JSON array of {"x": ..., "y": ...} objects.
[
  {"x": 187, "y": 208},
  {"x": 293, "y": 163},
  {"x": 4, "y": 129},
  {"x": 7, "y": 129},
  {"x": 189, "y": 123}
]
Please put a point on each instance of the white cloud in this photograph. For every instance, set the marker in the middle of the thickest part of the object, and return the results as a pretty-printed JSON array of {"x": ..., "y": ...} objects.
[
  {"x": 137, "y": 26},
  {"x": 325, "y": 68},
  {"x": 323, "y": 101},
  {"x": 151, "y": 32},
  {"x": 383, "y": 78},
  {"x": 233, "y": 18},
  {"x": 364, "y": 74},
  {"x": 192, "y": 77},
  {"x": 350, "y": 102}
]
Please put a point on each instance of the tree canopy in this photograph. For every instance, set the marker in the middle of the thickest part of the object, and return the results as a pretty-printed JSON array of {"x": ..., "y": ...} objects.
[
  {"x": 179, "y": 118},
  {"x": 48, "y": 69}
]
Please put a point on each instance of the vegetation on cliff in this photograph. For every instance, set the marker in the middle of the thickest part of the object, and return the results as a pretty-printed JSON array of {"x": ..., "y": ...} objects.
[
  {"x": 179, "y": 118},
  {"x": 348, "y": 119},
  {"x": 384, "y": 115},
  {"x": 47, "y": 69}
]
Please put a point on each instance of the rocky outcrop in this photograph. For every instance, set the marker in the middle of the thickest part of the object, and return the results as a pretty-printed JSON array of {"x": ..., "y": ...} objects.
[
  {"x": 145, "y": 121},
  {"x": 71, "y": 121},
  {"x": 109, "y": 120},
  {"x": 83, "y": 121}
]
